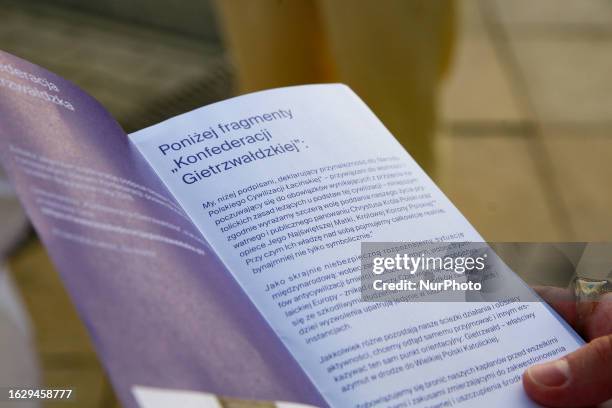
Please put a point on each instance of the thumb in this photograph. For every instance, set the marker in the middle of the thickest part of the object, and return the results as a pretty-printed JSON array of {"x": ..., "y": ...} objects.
[{"x": 582, "y": 378}]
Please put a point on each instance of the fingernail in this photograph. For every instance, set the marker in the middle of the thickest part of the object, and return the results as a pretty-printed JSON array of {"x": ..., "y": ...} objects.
[{"x": 553, "y": 374}]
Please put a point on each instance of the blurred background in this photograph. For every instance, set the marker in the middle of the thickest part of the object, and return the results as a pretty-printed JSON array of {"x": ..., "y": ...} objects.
[{"x": 507, "y": 104}]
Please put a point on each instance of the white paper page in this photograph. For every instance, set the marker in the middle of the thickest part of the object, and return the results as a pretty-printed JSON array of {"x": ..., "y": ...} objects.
[
  {"x": 153, "y": 397},
  {"x": 150, "y": 397},
  {"x": 288, "y": 224}
]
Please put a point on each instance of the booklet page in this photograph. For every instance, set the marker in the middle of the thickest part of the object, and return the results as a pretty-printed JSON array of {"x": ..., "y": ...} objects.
[
  {"x": 153, "y": 295},
  {"x": 285, "y": 185}
]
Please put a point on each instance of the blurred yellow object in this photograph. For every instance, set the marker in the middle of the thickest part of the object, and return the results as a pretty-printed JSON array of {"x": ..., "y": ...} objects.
[{"x": 391, "y": 52}]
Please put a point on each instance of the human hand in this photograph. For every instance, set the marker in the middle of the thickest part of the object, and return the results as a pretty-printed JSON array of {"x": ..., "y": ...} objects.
[{"x": 584, "y": 377}]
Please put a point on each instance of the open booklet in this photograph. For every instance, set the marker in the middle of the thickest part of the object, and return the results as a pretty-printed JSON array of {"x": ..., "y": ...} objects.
[{"x": 219, "y": 251}]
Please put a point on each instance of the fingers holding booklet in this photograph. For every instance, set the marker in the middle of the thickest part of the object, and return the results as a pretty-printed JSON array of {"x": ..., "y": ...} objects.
[{"x": 221, "y": 251}]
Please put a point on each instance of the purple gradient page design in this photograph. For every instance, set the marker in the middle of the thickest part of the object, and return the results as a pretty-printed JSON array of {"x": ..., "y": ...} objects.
[{"x": 161, "y": 308}]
